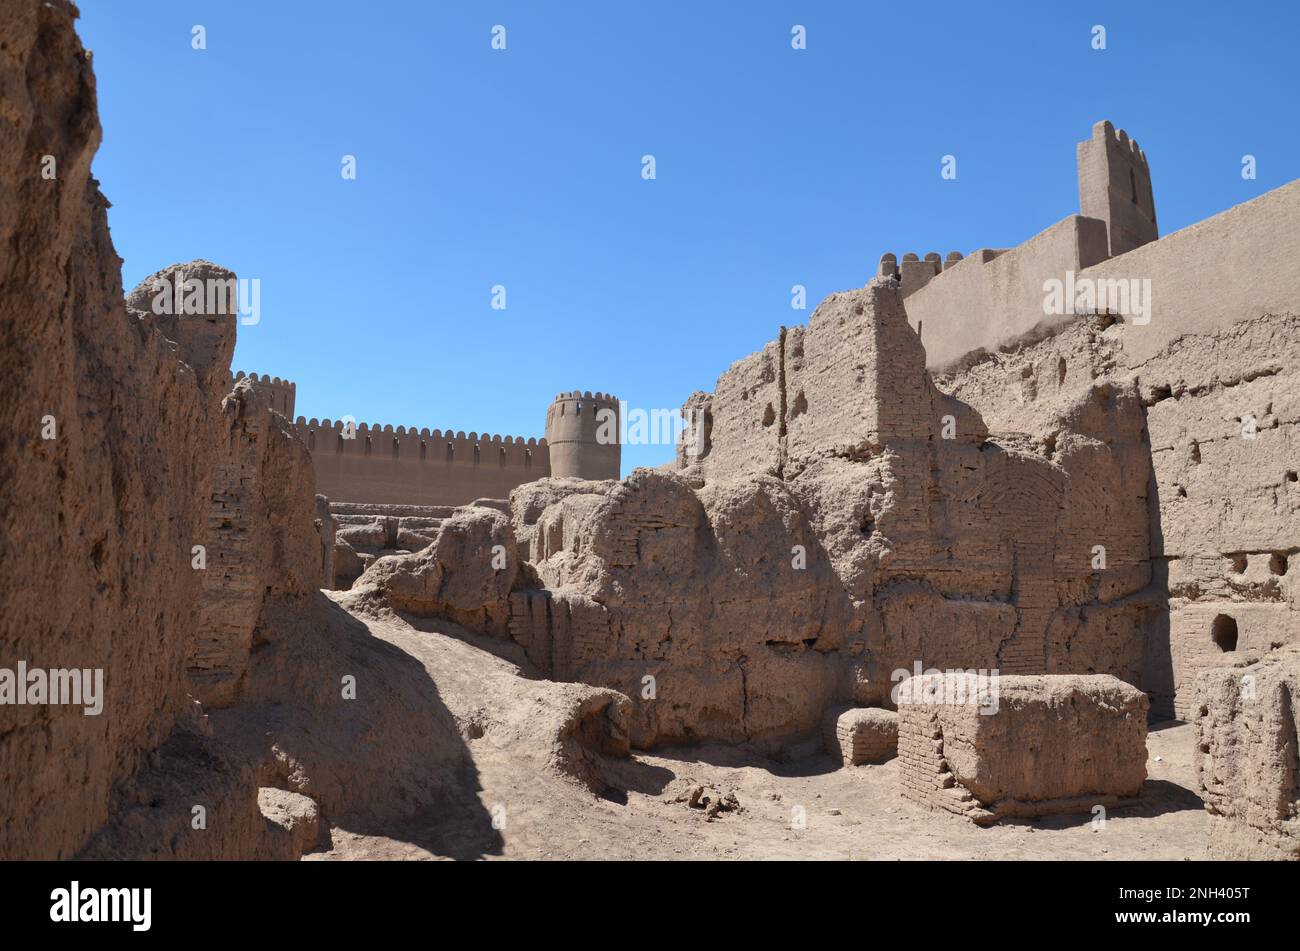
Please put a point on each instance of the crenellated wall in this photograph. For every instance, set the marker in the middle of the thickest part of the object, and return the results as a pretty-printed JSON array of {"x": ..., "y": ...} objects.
[
  {"x": 994, "y": 296},
  {"x": 383, "y": 465}
]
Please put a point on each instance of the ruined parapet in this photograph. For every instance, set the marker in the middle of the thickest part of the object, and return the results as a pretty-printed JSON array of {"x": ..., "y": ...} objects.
[
  {"x": 1115, "y": 186},
  {"x": 281, "y": 395},
  {"x": 582, "y": 431},
  {"x": 855, "y": 379},
  {"x": 696, "y": 439},
  {"x": 988, "y": 747},
  {"x": 1246, "y": 757}
]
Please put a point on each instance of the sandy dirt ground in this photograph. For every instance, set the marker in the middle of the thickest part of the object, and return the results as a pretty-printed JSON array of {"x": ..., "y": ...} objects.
[{"x": 807, "y": 807}]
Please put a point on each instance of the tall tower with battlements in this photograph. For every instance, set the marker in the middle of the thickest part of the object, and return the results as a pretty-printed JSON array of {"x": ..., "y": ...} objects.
[
  {"x": 582, "y": 431},
  {"x": 1115, "y": 186}
]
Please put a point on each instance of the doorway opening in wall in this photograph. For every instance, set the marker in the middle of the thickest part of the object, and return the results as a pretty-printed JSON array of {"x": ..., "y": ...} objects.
[{"x": 1224, "y": 633}]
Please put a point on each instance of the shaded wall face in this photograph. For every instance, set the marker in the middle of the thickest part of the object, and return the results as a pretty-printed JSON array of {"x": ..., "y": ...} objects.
[{"x": 97, "y": 521}]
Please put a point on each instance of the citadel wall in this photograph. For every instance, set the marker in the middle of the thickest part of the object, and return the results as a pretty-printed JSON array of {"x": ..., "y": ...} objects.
[
  {"x": 992, "y": 296},
  {"x": 369, "y": 463},
  {"x": 1234, "y": 266},
  {"x": 383, "y": 465},
  {"x": 1237, "y": 265}
]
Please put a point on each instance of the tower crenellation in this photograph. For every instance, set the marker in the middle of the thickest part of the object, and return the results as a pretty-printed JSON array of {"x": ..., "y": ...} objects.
[{"x": 1115, "y": 187}]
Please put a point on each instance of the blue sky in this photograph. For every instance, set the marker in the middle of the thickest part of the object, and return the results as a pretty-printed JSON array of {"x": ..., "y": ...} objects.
[{"x": 522, "y": 167}]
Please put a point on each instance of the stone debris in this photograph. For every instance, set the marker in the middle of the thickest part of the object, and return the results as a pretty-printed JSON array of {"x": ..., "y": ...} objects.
[{"x": 710, "y": 800}]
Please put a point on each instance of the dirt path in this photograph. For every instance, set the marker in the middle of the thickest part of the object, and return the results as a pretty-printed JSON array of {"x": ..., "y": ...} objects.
[{"x": 847, "y": 813}]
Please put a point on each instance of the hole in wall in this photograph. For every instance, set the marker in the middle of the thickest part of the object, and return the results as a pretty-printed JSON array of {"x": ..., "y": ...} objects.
[
  {"x": 769, "y": 415},
  {"x": 1060, "y": 371},
  {"x": 1277, "y": 563},
  {"x": 1238, "y": 562},
  {"x": 1290, "y": 475},
  {"x": 1224, "y": 632}
]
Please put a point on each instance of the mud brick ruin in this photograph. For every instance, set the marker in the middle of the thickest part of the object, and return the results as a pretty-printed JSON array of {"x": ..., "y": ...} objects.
[
  {"x": 1054, "y": 744},
  {"x": 1101, "y": 510}
]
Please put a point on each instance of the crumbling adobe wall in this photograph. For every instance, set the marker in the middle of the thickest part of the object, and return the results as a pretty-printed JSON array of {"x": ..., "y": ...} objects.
[
  {"x": 366, "y": 531},
  {"x": 1247, "y": 722},
  {"x": 933, "y": 526},
  {"x": 846, "y": 520},
  {"x": 1223, "y": 508},
  {"x": 97, "y": 522},
  {"x": 683, "y": 597},
  {"x": 263, "y": 540},
  {"x": 1223, "y": 409}
]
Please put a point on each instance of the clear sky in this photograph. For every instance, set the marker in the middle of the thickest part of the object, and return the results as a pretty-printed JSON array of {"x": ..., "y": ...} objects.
[{"x": 522, "y": 167}]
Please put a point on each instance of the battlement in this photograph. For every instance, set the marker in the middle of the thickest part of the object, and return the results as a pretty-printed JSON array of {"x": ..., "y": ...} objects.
[
  {"x": 405, "y": 465},
  {"x": 410, "y": 442},
  {"x": 282, "y": 394},
  {"x": 915, "y": 272},
  {"x": 604, "y": 399},
  {"x": 1115, "y": 186},
  {"x": 1104, "y": 130}
]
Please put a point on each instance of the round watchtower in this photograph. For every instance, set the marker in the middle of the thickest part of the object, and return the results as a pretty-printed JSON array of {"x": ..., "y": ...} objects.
[{"x": 582, "y": 436}]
